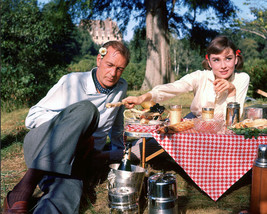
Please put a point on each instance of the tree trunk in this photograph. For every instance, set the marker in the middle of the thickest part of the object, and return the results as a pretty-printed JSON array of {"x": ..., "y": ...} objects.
[{"x": 158, "y": 65}]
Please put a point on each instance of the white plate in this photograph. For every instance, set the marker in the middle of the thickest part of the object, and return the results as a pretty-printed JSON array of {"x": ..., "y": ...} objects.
[{"x": 150, "y": 123}]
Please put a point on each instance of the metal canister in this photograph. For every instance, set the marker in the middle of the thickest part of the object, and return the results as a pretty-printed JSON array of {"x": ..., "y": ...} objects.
[
  {"x": 162, "y": 194},
  {"x": 258, "y": 203},
  {"x": 232, "y": 113},
  {"x": 207, "y": 113}
]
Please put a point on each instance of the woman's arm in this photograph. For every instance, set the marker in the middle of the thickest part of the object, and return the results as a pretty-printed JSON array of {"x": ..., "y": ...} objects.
[
  {"x": 167, "y": 91},
  {"x": 131, "y": 101}
]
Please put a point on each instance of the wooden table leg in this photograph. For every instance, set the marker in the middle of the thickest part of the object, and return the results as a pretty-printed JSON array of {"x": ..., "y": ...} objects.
[
  {"x": 154, "y": 154},
  {"x": 144, "y": 152}
]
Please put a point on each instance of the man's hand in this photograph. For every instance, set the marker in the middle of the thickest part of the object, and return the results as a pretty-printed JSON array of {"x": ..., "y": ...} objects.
[{"x": 221, "y": 85}]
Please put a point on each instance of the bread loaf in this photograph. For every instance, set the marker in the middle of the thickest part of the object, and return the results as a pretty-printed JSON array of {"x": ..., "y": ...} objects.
[
  {"x": 248, "y": 123},
  {"x": 175, "y": 128}
]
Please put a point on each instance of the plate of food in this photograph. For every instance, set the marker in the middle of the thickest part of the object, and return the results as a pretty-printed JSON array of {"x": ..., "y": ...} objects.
[
  {"x": 250, "y": 128},
  {"x": 151, "y": 114}
]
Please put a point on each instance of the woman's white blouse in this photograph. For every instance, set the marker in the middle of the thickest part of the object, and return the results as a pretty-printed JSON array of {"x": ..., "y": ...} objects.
[{"x": 201, "y": 83}]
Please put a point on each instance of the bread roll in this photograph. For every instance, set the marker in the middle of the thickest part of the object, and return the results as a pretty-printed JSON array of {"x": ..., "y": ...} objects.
[{"x": 147, "y": 104}]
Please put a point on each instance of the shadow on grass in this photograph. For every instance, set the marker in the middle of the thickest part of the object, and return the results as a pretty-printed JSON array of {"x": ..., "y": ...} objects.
[{"x": 9, "y": 139}]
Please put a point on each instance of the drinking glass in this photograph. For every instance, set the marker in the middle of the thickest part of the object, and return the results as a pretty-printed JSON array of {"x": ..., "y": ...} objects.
[{"x": 175, "y": 114}]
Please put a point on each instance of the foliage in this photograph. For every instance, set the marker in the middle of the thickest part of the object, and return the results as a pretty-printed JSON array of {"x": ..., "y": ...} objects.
[
  {"x": 134, "y": 74},
  {"x": 254, "y": 30},
  {"x": 15, "y": 88},
  {"x": 34, "y": 45},
  {"x": 257, "y": 70},
  {"x": 258, "y": 25},
  {"x": 249, "y": 133},
  {"x": 249, "y": 48},
  {"x": 85, "y": 64},
  {"x": 86, "y": 46},
  {"x": 184, "y": 59},
  {"x": 137, "y": 46}
]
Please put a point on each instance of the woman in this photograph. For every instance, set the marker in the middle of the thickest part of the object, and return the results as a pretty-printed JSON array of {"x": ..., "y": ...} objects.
[{"x": 217, "y": 85}]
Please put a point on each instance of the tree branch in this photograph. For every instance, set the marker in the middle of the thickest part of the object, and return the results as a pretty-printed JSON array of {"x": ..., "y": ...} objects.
[{"x": 254, "y": 32}]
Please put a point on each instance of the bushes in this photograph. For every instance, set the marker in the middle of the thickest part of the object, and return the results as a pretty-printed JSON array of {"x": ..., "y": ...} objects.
[
  {"x": 257, "y": 70},
  {"x": 14, "y": 87},
  {"x": 36, "y": 45},
  {"x": 134, "y": 74},
  {"x": 86, "y": 64},
  {"x": 22, "y": 89}
]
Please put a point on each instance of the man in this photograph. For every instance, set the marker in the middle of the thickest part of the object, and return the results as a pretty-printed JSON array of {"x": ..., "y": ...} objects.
[{"x": 63, "y": 126}]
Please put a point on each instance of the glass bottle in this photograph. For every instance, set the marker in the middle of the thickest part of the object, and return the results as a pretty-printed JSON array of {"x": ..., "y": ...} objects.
[{"x": 125, "y": 164}]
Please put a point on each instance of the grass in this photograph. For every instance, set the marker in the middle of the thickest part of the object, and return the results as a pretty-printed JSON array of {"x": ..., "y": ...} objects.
[{"x": 95, "y": 198}]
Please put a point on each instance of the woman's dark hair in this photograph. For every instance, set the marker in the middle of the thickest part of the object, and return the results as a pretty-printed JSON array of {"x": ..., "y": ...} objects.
[
  {"x": 119, "y": 46},
  {"x": 217, "y": 46}
]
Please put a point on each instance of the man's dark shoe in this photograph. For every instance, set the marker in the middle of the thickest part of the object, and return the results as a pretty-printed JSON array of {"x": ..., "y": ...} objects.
[{"x": 19, "y": 207}]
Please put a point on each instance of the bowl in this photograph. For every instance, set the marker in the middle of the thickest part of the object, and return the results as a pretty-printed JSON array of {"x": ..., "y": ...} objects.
[{"x": 211, "y": 126}]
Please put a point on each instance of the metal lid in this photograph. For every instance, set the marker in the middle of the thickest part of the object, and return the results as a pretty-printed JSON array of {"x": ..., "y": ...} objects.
[
  {"x": 261, "y": 160},
  {"x": 162, "y": 186},
  {"x": 160, "y": 178},
  {"x": 233, "y": 105}
]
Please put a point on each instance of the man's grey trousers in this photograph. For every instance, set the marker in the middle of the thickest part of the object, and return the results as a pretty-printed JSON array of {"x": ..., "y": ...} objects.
[{"x": 54, "y": 147}]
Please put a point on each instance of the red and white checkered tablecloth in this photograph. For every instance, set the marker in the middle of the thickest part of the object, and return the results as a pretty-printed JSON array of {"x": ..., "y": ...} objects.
[{"x": 213, "y": 161}]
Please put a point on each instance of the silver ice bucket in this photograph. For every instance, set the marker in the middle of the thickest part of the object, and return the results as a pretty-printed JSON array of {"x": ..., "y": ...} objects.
[
  {"x": 118, "y": 178},
  {"x": 123, "y": 200},
  {"x": 124, "y": 189},
  {"x": 122, "y": 196},
  {"x": 162, "y": 194},
  {"x": 132, "y": 209}
]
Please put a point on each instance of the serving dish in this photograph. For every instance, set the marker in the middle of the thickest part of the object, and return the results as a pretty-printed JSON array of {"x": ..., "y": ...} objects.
[
  {"x": 212, "y": 126},
  {"x": 149, "y": 122},
  {"x": 250, "y": 128},
  {"x": 156, "y": 115}
]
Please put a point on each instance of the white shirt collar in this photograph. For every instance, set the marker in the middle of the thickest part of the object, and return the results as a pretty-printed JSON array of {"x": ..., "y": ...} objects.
[{"x": 90, "y": 82}]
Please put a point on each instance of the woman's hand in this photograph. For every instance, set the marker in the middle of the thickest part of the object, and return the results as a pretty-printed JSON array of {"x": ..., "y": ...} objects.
[
  {"x": 221, "y": 85},
  {"x": 131, "y": 101}
]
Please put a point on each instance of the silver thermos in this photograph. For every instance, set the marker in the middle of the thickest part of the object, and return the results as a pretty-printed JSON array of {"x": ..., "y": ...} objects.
[
  {"x": 232, "y": 113},
  {"x": 162, "y": 194},
  {"x": 258, "y": 201}
]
